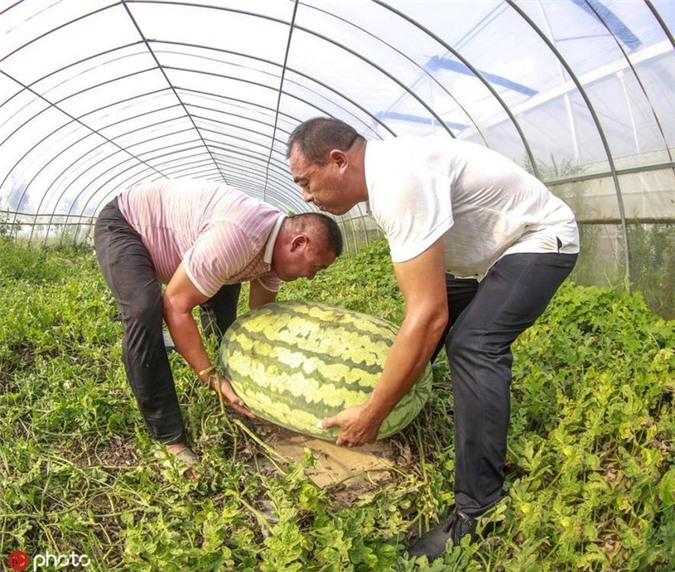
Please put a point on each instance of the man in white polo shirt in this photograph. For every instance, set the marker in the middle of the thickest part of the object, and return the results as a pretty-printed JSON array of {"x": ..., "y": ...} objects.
[
  {"x": 479, "y": 247},
  {"x": 201, "y": 239}
]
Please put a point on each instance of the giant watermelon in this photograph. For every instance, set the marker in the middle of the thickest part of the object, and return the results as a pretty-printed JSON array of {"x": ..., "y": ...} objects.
[{"x": 295, "y": 363}]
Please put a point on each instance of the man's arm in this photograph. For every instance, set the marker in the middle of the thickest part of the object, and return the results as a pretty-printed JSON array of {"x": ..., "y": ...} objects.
[
  {"x": 259, "y": 295},
  {"x": 180, "y": 298},
  {"x": 422, "y": 283}
]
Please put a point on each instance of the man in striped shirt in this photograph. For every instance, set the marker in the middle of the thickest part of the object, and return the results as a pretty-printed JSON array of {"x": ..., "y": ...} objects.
[{"x": 201, "y": 239}]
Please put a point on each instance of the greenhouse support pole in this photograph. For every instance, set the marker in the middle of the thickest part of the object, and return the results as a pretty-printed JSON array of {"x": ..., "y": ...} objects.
[{"x": 598, "y": 125}]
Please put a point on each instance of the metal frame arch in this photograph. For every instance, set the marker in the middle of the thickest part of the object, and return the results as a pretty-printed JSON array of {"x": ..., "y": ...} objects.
[
  {"x": 598, "y": 125},
  {"x": 70, "y": 65},
  {"x": 92, "y": 132},
  {"x": 414, "y": 63},
  {"x": 92, "y": 150},
  {"x": 228, "y": 152},
  {"x": 52, "y": 106},
  {"x": 166, "y": 78},
  {"x": 86, "y": 136},
  {"x": 305, "y": 76},
  {"x": 218, "y": 110},
  {"x": 92, "y": 195},
  {"x": 257, "y": 105},
  {"x": 478, "y": 75},
  {"x": 74, "y": 94},
  {"x": 659, "y": 19},
  {"x": 637, "y": 77},
  {"x": 279, "y": 96},
  {"x": 382, "y": 71},
  {"x": 56, "y": 28}
]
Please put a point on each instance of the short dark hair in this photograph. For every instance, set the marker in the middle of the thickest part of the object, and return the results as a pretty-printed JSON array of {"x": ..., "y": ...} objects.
[
  {"x": 326, "y": 225},
  {"x": 316, "y": 137}
]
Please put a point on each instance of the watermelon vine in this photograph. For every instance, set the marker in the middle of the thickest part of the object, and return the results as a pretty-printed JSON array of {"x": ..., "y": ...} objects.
[{"x": 591, "y": 466}]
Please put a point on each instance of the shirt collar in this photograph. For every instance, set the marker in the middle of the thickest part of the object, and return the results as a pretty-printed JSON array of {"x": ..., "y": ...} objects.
[{"x": 269, "y": 247}]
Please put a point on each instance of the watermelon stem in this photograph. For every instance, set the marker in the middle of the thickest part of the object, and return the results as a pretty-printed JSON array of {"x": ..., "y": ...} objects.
[{"x": 269, "y": 450}]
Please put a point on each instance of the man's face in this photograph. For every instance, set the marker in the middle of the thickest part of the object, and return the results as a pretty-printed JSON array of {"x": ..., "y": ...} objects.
[
  {"x": 320, "y": 184},
  {"x": 303, "y": 261}
]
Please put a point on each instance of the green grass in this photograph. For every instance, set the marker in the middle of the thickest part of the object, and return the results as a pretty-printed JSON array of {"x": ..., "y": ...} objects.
[{"x": 591, "y": 469}]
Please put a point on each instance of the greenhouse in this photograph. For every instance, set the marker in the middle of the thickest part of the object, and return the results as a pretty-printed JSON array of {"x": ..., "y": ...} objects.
[
  {"x": 98, "y": 96},
  {"x": 580, "y": 93}
]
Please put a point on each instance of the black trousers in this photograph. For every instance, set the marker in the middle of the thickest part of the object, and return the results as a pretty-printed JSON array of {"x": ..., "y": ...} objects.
[
  {"x": 485, "y": 319},
  {"x": 130, "y": 274}
]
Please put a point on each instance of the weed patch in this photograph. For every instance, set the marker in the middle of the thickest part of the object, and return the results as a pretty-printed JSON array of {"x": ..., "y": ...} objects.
[{"x": 591, "y": 467}]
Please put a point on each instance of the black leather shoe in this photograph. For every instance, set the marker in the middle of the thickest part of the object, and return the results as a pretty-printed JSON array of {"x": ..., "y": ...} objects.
[{"x": 433, "y": 543}]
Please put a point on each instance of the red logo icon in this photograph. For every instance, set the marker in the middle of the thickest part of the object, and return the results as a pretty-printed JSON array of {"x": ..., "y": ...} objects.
[{"x": 18, "y": 560}]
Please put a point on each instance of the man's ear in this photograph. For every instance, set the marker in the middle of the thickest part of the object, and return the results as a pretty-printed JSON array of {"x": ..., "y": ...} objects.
[
  {"x": 299, "y": 241},
  {"x": 338, "y": 157}
]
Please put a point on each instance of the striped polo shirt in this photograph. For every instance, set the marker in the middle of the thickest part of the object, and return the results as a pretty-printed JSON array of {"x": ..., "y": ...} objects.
[{"x": 221, "y": 235}]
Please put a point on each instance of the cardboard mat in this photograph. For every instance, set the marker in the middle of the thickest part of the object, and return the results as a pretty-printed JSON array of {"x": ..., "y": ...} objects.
[{"x": 348, "y": 472}]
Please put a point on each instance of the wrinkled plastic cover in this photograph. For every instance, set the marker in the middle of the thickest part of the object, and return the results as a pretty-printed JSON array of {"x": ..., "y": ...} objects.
[{"x": 99, "y": 95}]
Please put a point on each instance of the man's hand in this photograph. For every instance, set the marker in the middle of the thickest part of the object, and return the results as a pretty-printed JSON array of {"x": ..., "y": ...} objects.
[
  {"x": 356, "y": 427},
  {"x": 222, "y": 387},
  {"x": 422, "y": 283}
]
